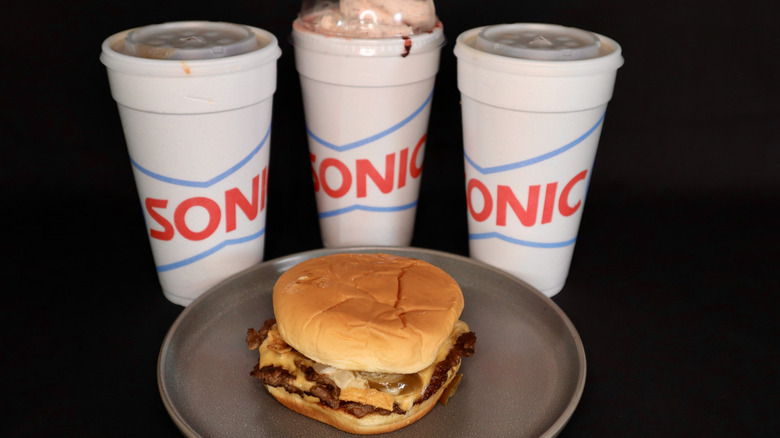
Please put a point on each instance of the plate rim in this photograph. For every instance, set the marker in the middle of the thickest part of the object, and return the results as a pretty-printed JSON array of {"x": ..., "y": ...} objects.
[{"x": 555, "y": 428}]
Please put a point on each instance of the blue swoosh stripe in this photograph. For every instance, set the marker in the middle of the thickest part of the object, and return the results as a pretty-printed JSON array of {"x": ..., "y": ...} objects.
[
  {"x": 374, "y": 137},
  {"x": 212, "y": 181},
  {"x": 534, "y": 160},
  {"x": 326, "y": 214},
  {"x": 208, "y": 252},
  {"x": 493, "y": 234}
]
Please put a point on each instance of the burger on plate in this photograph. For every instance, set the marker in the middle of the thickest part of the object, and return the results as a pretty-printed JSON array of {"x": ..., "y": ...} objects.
[{"x": 367, "y": 343}]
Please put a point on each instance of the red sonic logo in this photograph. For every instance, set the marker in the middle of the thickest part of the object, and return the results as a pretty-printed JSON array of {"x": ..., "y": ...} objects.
[
  {"x": 502, "y": 203},
  {"x": 393, "y": 173},
  {"x": 222, "y": 212}
]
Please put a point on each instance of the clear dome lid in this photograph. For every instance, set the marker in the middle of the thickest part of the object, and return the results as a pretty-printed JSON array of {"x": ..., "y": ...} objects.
[{"x": 368, "y": 18}]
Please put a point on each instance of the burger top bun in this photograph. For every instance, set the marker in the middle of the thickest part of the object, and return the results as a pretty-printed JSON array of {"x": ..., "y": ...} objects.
[{"x": 367, "y": 312}]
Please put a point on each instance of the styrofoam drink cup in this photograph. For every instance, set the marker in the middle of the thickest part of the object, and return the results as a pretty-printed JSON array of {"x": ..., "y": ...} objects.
[
  {"x": 367, "y": 103},
  {"x": 194, "y": 99},
  {"x": 533, "y": 98}
]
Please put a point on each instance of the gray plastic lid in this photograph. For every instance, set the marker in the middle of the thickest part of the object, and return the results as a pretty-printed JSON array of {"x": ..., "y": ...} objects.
[
  {"x": 190, "y": 40},
  {"x": 545, "y": 42}
]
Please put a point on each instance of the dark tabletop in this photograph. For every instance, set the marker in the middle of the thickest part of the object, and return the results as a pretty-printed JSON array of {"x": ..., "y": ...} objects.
[{"x": 673, "y": 282}]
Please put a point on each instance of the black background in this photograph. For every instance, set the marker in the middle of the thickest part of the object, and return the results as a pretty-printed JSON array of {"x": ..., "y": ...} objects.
[{"x": 673, "y": 281}]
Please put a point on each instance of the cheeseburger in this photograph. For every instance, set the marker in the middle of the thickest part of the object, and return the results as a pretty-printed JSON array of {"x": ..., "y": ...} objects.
[{"x": 367, "y": 343}]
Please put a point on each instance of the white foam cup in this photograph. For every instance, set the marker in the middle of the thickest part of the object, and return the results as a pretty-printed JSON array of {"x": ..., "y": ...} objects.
[
  {"x": 195, "y": 99},
  {"x": 367, "y": 103},
  {"x": 534, "y": 97}
]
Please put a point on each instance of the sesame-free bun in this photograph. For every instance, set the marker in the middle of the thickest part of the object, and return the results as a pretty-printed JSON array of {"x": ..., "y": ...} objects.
[
  {"x": 367, "y": 312},
  {"x": 370, "y": 424}
]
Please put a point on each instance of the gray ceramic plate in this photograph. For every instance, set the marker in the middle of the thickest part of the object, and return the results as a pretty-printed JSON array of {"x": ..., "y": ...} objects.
[{"x": 525, "y": 379}]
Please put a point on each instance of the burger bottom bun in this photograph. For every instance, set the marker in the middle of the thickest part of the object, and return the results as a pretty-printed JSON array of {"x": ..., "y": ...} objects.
[{"x": 370, "y": 424}]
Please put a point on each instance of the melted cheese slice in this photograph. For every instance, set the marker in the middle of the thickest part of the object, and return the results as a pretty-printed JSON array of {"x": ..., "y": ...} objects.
[{"x": 375, "y": 389}]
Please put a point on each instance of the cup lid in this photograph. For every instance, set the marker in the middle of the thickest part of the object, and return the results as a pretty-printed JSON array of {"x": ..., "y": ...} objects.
[
  {"x": 369, "y": 18},
  {"x": 547, "y": 42},
  {"x": 190, "y": 40}
]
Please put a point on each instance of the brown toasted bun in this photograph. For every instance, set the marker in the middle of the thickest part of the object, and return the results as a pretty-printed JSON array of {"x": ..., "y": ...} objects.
[
  {"x": 370, "y": 424},
  {"x": 367, "y": 312}
]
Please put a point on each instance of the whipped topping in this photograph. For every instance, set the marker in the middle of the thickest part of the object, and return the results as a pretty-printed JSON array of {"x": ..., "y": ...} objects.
[{"x": 371, "y": 18}]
